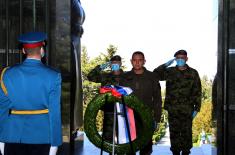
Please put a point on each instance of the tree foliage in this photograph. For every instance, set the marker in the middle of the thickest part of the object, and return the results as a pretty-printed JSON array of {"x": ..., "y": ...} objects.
[
  {"x": 203, "y": 120},
  {"x": 206, "y": 88}
]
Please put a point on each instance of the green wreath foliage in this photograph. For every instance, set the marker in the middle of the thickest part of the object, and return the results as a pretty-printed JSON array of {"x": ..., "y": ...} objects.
[{"x": 131, "y": 101}]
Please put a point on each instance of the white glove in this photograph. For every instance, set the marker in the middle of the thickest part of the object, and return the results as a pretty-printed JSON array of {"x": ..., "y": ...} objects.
[
  {"x": 2, "y": 145},
  {"x": 53, "y": 150}
]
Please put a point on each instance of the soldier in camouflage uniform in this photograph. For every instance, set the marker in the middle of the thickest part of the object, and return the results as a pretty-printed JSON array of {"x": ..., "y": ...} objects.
[
  {"x": 107, "y": 78},
  {"x": 182, "y": 101},
  {"x": 146, "y": 87}
]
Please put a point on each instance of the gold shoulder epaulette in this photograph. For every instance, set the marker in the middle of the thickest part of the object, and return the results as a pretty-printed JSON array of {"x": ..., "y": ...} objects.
[{"x": 2, "y": 83}]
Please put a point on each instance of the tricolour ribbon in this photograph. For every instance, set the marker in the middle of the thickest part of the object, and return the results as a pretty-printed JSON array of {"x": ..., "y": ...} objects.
[{"x": 116, "y": 91}]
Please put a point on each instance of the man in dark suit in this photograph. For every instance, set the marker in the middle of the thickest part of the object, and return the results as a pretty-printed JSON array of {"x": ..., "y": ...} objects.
[{"x": 30, "y": 94}]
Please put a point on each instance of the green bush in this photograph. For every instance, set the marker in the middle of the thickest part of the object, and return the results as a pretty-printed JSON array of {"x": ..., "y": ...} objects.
[
  {"x": 161, "y": 130},
  {"x": 203, "y": 120}
]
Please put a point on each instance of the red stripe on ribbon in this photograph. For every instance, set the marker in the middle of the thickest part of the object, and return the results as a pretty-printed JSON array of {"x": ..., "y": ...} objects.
[
  {"x": 131, "y": 121},
  {"x": 33, "y": 45},
  {"x": 113, "y": 91}
]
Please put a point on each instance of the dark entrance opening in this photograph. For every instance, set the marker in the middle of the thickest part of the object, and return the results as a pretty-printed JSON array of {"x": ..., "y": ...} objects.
[{"x": 61, "y": 20}]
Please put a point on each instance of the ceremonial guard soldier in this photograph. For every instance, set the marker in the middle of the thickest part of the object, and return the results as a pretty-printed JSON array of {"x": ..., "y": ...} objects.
[{"x": 30, "y": 94}]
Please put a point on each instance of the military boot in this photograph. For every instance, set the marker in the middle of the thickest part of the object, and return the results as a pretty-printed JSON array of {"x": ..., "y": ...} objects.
[
  {"x": 185, "y": 152},
  {"x": 176, "y": 152}
]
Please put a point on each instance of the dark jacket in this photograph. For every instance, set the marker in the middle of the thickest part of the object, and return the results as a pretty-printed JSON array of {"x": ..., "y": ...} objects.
[{"x": 147, "y": 88}]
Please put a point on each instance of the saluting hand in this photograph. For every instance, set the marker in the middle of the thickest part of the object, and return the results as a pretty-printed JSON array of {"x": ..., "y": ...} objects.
[
  {"x": 168, "y": 63},
  {"x": 105, "y": 65}
]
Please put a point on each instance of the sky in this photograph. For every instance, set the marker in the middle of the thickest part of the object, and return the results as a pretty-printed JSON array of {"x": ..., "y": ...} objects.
[{"x": 158, "y": 28}]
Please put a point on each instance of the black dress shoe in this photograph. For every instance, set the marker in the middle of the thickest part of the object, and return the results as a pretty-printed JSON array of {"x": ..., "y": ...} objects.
[{"x": 176, "y": 152}]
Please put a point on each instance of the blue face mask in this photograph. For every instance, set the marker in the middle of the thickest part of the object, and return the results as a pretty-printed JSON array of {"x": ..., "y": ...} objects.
[
  {"x": 115, "y": 67},
  {"x": 180, "y": 62}
]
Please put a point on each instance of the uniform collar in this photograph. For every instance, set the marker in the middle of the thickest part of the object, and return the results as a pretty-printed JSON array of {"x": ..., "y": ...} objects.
[
  {"x": 187, "y": 67},
  {"x": 33, "y": 61},
  {"x": 133, "y": 72}
]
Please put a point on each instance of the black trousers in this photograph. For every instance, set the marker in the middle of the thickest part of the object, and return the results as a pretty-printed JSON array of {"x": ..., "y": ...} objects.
[{"x": 26, "y": 149}]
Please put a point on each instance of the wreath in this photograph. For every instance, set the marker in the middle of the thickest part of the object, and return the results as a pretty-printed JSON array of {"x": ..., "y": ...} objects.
[{"x": 131, "y": 101}]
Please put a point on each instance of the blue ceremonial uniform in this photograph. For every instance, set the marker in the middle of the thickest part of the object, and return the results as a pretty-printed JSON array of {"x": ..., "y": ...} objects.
[
  {"x": 32, "y": 86},
  {"x": 30, "y": 110}
]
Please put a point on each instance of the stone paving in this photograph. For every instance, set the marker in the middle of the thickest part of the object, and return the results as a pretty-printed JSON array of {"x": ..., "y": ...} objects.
[{"x": 161, "y": 148}]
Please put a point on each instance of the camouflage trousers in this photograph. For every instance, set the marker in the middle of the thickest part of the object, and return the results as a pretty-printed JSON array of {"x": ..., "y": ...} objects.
[{"x": 180, "y": 125}]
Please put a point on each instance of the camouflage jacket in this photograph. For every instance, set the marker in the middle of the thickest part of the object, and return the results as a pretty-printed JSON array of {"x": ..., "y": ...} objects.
[
  {"x": 105, "y": 78},
  {"x": 183, "y": 88},
  {"x": 147, "y": 88}
]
